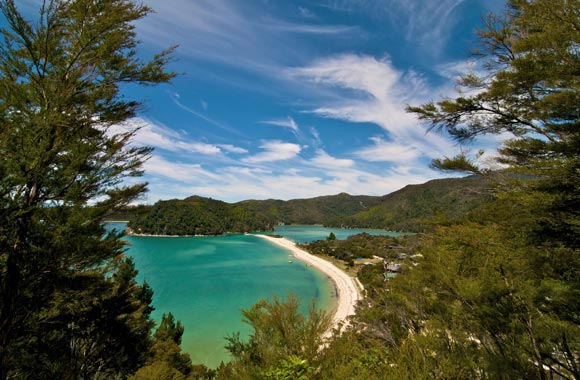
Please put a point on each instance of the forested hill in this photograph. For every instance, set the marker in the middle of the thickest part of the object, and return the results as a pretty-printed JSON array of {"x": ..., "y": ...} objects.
[
  {"x": 196, "y": 216},
  {"x": 415, "y": 207},
  {"x": 319, "y": 210},
  {"x": 410, "y": 209}
]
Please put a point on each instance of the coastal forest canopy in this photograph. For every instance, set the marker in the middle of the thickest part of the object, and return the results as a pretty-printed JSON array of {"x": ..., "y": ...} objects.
[
  {"x": 411, "y": 209},
  {"x": 196, "y": 216},
  {"x": 491, "y": 293}
]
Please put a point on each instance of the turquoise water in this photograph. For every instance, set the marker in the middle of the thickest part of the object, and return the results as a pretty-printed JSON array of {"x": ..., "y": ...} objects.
[
  {"x": 206, "y": 281},
  {"x": 306, "y": 234}
]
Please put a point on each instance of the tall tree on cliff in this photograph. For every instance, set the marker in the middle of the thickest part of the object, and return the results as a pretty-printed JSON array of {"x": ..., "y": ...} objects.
[{"x": 70, "y": 307}]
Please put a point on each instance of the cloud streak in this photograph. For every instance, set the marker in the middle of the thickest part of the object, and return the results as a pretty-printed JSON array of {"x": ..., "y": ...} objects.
[
  {"x": 251, "y": 31},
  {"x": 175, "y": 98},
  {"x": 384, "y": 151},
  {"x": 286, "y": 123},
  {"x": 374, "y": 91},
  {"x": 425, "y": 24},
  {"x": 274, "y": 151}
]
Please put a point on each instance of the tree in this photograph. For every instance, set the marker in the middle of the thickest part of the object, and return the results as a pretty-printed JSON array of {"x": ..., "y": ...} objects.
[
  {"x": 284, "y": 342},
  {"x": 69, "y": 304},
  {"x": 166, "y": 360},
  {"x": 331, "y": 236},
  {"x": 530, "y": 89},
  {"x": 169, "y": 329},
  {"x": 527, "y": 308}
]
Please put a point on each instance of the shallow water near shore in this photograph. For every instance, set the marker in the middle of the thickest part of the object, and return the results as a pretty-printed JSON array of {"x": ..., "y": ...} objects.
[
  {"x": 306, "y": 233},
  {"x": 206, "y": 281}
]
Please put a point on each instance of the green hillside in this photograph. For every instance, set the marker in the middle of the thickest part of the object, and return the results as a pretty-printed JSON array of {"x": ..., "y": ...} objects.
[
  {"x": 412, "y": 208},
  {"x": 196, "y": 216},
  {"x": 415, "y": 206},
  {"x": 319, "y": 210}
]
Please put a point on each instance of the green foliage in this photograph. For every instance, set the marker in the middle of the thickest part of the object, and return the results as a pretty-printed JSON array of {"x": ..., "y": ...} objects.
[
  {"x": 69, "y": 305},
  {"x": 360, "y": 245},
  {"x": 414, "y": 207},
  {"x": 169, "y": 330},
  {"x": 331, "y": 236},
  {"x": 319, "y": 210},
  {"x": 158, "y": 371},
  {"x": 292, "y": 368},
  {"x": 481, "y": 303},
  {"x": 410, "y": 209},
  {"x": 166, "y": 360},
  {"x": 196, "y": 216},
  {"x": 283, "y": 341},
  {"x": 460, "y": 163}
]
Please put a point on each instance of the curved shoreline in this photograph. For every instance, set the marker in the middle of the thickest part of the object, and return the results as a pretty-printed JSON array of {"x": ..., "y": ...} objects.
[{"x": 346, "y": 286}]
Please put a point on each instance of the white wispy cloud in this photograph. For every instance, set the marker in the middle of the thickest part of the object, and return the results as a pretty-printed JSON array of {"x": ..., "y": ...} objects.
[
  {"x": 159, "y": 136},
  {"x": 308, "y": 28},
  {"x": 224, "y": 29},
  {"x": 426, "y": 24},
  {"x": 286, "y": 123},
  {"x": 262, "y": 177},
  {"x": 378, "y": 93},
  {"x": 274, "y": 151},
  {"x": 180, "y": 172},
  {"x": 316, "y": 140},
  {"x": 232, "y": 148},
  {"x": 387, "y": 151},
  {"x": 324, "y": 161},
  {"x": 175, "y": 97},
  {"x": 306, "y": 13},
  {"x": 370, "y": 90},
  {"x": 456, "y": 69},
  {"x": 237, "y": 183},
  {"x": 429, "y": 23}
]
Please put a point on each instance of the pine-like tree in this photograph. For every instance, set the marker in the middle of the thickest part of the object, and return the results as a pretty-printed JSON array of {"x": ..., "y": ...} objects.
[
  {"x": 69, "y": 304},
  {"x": 526, "y": 307}
]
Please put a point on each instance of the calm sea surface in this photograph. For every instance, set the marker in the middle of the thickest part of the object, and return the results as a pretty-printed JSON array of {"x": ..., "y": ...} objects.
[
  {"x": 306, "y": 234},
  {"x": 206, "y": 281}
]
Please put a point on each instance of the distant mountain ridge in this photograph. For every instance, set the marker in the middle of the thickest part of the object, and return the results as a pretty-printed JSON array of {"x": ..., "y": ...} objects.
[
  {"x": 415, "y": 207},
  {"x": 317, "y": 210},
  {"x": 408, "y": 209}
]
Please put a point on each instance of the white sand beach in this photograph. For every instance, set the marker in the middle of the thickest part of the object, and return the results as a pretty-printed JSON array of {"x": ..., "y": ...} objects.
[{"x": 346, "y": 286}]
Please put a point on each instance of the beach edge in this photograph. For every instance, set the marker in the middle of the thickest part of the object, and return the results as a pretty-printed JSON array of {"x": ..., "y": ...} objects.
[{"x": 348, "y": 289}]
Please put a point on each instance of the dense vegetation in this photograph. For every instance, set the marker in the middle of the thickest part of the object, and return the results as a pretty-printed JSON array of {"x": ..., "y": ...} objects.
[
  {"x": 491, "y": 293},
  {"x": 359, "y": 246},
  {"x": 196, "y": 216},
  {"x": 70, "y": 307},
  {"x": 319, "y": 210},
  {"x": 412, "y": 209},
  {"x": 417, "y": 207}
]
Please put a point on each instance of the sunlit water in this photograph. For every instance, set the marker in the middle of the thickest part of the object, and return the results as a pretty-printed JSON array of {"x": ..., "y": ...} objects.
[
  {"x": 206, "y": 281},
  {"x": 306, "y": 234}
]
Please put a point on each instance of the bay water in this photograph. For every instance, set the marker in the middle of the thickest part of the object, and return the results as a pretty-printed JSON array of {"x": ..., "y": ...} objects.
[
  {"x": 308, "y": 233},
  {"x": 205, "y": 282}
]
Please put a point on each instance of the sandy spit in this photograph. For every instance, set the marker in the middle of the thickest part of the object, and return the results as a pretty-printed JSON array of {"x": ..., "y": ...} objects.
[{"x": 346, "y": 286}]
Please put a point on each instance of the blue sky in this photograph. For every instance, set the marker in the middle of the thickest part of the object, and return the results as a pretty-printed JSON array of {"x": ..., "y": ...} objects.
[{"x": 295, "y": 99}]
